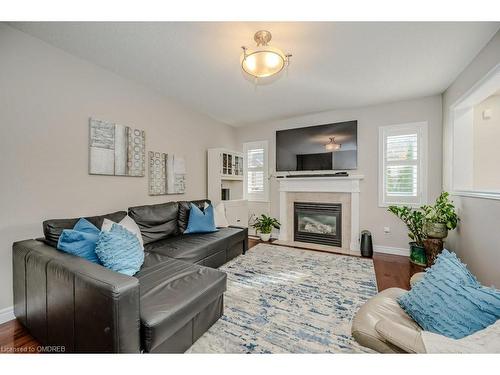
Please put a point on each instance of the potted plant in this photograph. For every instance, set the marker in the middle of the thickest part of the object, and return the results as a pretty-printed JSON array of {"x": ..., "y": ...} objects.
[
  {"x": 264, "y": 225},
  {"x": 414, "y": 220},
  {"x": 440, "y": 217}
]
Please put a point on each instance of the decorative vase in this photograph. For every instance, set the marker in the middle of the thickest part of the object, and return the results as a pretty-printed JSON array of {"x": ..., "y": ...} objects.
[
  {"x": 417, "y": 254},
  {"x": 436, "y": 230},
  {"x": 265, "y": 236}
]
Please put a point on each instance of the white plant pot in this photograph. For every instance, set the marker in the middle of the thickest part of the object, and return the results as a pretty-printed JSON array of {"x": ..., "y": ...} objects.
[{"x": 265, "y": 236}]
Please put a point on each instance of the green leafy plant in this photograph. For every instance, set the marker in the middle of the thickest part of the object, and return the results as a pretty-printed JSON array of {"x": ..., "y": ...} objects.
[
  {"x": 265, "y": 224},
  {"x": 443, "y": 211},
  {"x": 414, "y": 220}
]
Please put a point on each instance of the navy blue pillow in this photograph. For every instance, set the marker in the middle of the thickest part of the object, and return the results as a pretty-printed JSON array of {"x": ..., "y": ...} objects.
[
  {"x": 81, "y": 240},
  {"x": 201, "y": 221},
  {"x": 450, "y": 301},
  {"x": 120, "y": 250}
]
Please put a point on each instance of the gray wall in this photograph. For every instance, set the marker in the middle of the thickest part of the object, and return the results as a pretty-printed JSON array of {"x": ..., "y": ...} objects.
[
  {"x": 373, "y": 218},
  {"x": 46, "y": 98},
  {"x": 477, "y": 240}
]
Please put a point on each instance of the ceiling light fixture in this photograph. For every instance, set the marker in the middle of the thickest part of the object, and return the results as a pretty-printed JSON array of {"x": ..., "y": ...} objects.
[
  {"x": 263, "y": 61},
  {"x": 332, "y": 146}
]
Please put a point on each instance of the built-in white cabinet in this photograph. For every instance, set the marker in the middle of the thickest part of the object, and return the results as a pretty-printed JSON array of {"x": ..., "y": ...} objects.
[
  {"x": 225, "y": 184},
  {"x": 237, "y": 212}
]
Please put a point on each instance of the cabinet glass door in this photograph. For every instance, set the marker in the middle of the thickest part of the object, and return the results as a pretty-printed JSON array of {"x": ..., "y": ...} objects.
[
  {"x": 229, "y": 164},
  {"x": 224, "y": 163},
  {"x": 240, "y": 166},
  {"x": 236, "y": 165}
]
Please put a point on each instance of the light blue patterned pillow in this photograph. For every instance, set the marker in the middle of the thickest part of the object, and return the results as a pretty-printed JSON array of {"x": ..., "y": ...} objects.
[
  {"x": 120, "y": 250},
  {"x": 450, "y": 301}
]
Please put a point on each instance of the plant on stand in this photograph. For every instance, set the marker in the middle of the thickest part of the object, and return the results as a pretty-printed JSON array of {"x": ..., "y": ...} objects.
[
  {"x": 264, "y": 225},
  {"x": 440, "y": 217},
  {"x": 414, "y": 220}
]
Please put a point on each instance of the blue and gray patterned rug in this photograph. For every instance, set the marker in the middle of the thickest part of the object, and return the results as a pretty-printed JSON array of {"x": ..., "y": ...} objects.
[{"x": 286, "y": 300}]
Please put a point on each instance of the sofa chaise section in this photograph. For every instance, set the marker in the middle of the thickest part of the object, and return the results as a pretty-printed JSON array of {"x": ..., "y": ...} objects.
[{"x": 179, "y": 302}]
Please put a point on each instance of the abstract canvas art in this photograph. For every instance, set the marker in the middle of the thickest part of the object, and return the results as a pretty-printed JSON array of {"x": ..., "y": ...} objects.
[
  {"x": 115, "y": 149},
  {"x": 176, "y": 174},
  {"x": 167, "y": 174},
  {"x": 157, "y": 173}
]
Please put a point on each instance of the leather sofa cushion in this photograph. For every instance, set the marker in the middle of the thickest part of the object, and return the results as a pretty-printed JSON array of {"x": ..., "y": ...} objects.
[
  {"x": 183, "y": 216},
  {"x": 157, "y": 221},
  {"x": 194, "y": 247},
  {"x": 172, "y": 293},
  {"x": 382, "y": 306},
  {"x": 53, "y": 228}
]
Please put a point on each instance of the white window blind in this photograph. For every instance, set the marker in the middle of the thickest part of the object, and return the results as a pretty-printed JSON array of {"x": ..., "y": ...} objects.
[
  {"x": 402, "y": 167},
  {"x": 256, "y": 167}
]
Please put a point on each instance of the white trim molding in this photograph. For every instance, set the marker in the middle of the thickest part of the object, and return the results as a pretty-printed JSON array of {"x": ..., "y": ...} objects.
[
  {"x": 392, "y": 250},
  {"x": 476, "y": 194},
  {"x": 7, "y": 314},
  {"x": 346, "y": 184}
]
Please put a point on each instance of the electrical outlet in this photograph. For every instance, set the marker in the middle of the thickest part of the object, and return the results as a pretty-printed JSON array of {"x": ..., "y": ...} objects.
[{"x": 387, "y": 230}]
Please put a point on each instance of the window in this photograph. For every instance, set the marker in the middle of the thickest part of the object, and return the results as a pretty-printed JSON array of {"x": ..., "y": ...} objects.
[
  {"x": 256, "y": 171},
  {"x": 402, "y": 164}
]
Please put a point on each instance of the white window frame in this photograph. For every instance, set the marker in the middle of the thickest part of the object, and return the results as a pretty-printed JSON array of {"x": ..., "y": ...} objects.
[
  {"x": 421, "y": 129},
  {"x": 264, "y": 196}
]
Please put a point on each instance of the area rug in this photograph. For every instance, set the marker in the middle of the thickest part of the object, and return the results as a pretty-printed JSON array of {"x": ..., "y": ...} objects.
[{"x": 286, "y": 300}]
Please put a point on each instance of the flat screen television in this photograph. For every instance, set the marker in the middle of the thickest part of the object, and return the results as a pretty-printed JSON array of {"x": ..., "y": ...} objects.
[{"x": 305, "y": 149}]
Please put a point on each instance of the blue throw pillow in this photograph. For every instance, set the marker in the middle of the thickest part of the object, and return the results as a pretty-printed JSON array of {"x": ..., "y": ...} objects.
[
  {"x": 120, "y": 250},
  {"x": 450, "y": 301},
  {"x": 83, "y": 225},
  {"x": 201, "y": 221},
  {"x": 80, "y": 241}
]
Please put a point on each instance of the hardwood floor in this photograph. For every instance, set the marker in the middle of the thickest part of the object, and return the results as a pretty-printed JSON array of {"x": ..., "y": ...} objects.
[
  {"x": 14, "y": 338},
  {"x": 390, "y": 270},
  {"x": 394, "y": 271}
]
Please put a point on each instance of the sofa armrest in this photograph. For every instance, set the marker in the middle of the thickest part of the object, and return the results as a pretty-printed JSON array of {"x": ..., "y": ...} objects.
[{"x": 66, "y": 300}]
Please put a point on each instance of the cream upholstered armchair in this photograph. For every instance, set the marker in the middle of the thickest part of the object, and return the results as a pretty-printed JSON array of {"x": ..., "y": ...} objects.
[{"x": 382, "y": 325}]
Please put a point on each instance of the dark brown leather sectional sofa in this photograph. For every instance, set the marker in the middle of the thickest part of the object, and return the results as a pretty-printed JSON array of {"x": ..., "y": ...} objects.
[{"x": 175, "y": 297}]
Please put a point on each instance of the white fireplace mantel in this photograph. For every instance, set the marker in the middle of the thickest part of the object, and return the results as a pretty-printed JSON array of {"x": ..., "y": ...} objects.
[{"x": 344, "y": 184}]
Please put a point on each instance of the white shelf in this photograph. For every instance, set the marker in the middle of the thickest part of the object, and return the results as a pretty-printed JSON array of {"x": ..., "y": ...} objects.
[{"x": 231, "y": 178}]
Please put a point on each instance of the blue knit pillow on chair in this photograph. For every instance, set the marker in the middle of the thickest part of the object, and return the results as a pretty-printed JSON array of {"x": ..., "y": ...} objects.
[
  {"x": 120, "y": 250},
  {"x": 450, "y": 301}
]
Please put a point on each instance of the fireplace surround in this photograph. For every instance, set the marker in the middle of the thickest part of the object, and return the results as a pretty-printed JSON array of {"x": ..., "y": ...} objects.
[{"x": 344, "y": 190}]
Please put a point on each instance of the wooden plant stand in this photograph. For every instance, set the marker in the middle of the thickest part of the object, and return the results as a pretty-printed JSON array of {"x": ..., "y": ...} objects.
[{"x": 433, "y": 247}]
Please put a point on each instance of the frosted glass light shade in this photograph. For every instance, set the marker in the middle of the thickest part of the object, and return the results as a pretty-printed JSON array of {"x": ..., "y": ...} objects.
[{"x": 263, "y": 61}]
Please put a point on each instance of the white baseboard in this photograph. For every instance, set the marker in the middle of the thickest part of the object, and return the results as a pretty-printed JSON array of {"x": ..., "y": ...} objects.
[
  {"x": 7, "y": 314},
  {"x": 392, "y": 250}
]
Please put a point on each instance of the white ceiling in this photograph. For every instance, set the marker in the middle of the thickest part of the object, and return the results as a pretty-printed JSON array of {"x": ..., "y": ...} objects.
[{"x": 334, "y": 65}]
